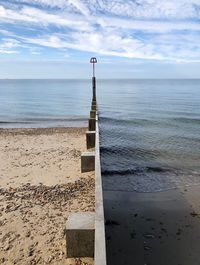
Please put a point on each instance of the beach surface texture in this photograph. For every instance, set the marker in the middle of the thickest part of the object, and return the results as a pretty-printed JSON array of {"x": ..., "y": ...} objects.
[{"x": 40, "y": 185}]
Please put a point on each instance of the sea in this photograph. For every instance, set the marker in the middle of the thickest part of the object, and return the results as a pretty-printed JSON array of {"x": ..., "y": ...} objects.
[
  {"x": 149, "y": 139},
  {"x": 149, "y": 128},
  {"x": 44, "y": 103}
]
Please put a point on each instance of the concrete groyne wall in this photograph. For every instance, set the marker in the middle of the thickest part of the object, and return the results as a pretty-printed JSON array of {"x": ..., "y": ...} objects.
[
  {"x": 85, "y": 232},
  {"x": 100, "y": 244}
]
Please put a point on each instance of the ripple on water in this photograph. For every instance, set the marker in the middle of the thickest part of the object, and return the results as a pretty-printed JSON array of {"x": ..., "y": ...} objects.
[{"x": 148, "y": 182}]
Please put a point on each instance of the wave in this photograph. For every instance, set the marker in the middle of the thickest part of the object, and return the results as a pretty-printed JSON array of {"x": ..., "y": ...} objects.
[
  {"x": 45, "y": 119},
  {"x": 130, "y": 151},
  {"x": 168, "y": 121},
  {"x": 121, "y": 121},
  {"x": 12, "y": 122},
  {"x": 135, "y": 171},
  {"x": 44, "y": 122},
  {"x": 186, "y": 120}
]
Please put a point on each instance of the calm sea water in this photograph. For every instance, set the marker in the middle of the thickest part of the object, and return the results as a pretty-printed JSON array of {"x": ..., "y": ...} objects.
[
  {"x": 150, "y": 136},
  {"x": 44, "y": 103}
]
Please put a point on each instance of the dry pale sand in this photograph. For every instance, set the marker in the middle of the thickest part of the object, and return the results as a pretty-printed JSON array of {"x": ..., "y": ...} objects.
[{"x": 40, "y": 184}]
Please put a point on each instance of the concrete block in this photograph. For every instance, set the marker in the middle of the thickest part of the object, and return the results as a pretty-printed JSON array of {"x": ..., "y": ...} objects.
[
  {"x": 93, "y": 114},
  {"x": 94, "y": 102},
  {"x": 92, "y": 124},
  {"x": 80, "y": 233},
  {"x": 90, "y": 139},
  {"x": 87, "y": 161},
  {"x": 93, "y": 107}
]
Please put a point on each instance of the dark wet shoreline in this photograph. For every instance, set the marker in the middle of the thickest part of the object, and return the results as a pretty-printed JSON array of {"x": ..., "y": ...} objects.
[
  {"x": 151, "y": 228},
  {"x": 43, "y": 123}
]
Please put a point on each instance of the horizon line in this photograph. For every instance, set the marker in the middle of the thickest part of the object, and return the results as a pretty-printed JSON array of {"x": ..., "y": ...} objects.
[{"x": 100, "y": 78}]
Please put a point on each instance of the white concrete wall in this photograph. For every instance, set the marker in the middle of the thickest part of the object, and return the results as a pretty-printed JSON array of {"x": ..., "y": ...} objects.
[{"x": 100, "y": 243}]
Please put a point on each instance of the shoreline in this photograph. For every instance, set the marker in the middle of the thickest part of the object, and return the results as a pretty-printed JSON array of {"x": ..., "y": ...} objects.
[
  {"x": 161, "y": 227},
  {"x": 44, "y": 124},
  {"x": 41, "y": 184},
  {"x": 38, "y": 131}
]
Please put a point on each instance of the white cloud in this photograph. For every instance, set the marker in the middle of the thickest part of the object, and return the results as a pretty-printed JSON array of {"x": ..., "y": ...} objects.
[
  {"x": 39, "y": 17},
  {"x": 149, "y": 9},
  {"x": 137, "y": 9},
  {"x": 35, "y": 53},
  {"x": 151, "y": 29},
  {"x": 79, "y": 5},
  {"x": 8, "y": 46},
  {"x": 7, "y": 51},
  {"x": 148, "y": 25},
  {"x": 105, "y": 44}
]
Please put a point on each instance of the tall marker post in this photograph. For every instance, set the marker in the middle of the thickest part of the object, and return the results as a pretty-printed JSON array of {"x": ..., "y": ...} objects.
[
  {"x": 93, "y": 60},
  {"x": 91, "y": 134}
]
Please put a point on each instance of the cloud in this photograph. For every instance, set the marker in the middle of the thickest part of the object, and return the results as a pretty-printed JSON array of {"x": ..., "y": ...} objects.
[
  {"x": 146, "y": 29},
  {"x": 7, "y": 51},
  {"x": 137, "y": 9},
  {"x": 40, "y": 17},
  {"x": 156, "y": 9},
  {"x": 104, "y": 44},
  {"x": 79, "y": 5},
  {"x": 8, "y": 46},
  {"x": 36, "y": 16}
]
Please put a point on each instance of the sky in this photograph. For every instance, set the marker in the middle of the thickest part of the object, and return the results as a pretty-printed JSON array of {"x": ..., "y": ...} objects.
[{"x": 130, "y": 38}]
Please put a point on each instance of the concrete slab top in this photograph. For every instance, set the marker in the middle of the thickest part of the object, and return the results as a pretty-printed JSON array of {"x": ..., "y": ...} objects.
[
  {"x": 81, "y": 221},
  {"x": 90, "y": 132},
  {"x": 88, "y": 154}
]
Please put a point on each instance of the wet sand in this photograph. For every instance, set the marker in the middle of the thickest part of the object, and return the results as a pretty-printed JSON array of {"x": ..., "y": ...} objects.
[
  {"x": 160, "y": 228},
  {"x": 40, "y": 185}
]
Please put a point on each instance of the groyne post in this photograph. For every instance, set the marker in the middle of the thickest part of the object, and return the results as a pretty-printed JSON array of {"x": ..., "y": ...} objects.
[
  {"x": 80, "y": 235},
  {"x": 92, "y": 124},
  {"x": 87, "y": 162},
  {"x": 93, "y": 114},
  {"x": 90, "y": 139}
]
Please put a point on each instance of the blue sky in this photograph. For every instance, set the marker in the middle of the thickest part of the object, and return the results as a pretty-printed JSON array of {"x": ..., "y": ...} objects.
[{"x": 131, "y": 39}]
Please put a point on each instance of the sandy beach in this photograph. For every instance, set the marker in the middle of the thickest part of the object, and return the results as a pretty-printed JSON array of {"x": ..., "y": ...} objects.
[{"x": 40, "y": 185}]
